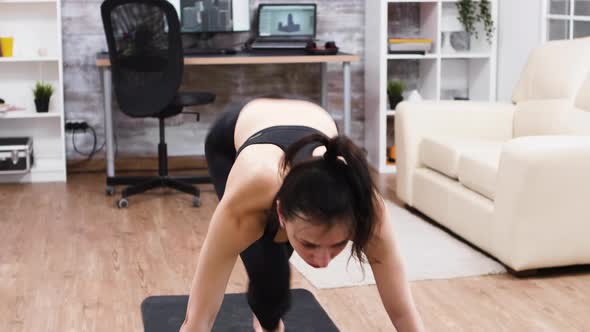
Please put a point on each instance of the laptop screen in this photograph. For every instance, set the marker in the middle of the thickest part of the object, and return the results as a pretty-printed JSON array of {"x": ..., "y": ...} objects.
[{"x": 281, "y": 20}]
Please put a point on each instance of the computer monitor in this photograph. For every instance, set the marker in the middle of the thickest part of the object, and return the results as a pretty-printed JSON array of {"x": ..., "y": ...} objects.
[
  {"x": 198, "y": 16},
  {"x": 282, "y": 20}
]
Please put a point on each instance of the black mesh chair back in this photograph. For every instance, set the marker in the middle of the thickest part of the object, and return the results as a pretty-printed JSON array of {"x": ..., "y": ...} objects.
[{"x": 145, "y": 50}]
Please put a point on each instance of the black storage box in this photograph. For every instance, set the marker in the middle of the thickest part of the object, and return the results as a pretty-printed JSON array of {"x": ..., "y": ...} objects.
[{"x": 16, "y": 155}]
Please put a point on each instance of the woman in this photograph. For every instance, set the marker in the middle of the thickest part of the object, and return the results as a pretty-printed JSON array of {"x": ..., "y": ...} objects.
[{"x": 287, "y": 181}]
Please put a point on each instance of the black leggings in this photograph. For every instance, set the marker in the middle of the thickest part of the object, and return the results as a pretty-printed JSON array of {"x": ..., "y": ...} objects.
[{"x": 266, "y": 262}]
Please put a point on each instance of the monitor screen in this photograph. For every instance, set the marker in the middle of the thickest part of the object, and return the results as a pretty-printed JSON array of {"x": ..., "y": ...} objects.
[
  {"x": 213, "y": 15},
  {"x": 287, "y": 20}
]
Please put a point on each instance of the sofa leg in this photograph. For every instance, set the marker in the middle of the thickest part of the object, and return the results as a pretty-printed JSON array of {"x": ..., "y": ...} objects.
[{"x": 524, "y": 273}]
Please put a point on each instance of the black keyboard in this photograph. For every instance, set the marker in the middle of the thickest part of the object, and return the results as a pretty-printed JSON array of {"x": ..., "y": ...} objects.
[{"x": 209, "y": 51}]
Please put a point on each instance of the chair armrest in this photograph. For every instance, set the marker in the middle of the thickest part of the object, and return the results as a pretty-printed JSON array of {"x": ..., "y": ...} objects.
[
  {"x": 455, "y": 119},
  {"x": 542, "y": 213}
]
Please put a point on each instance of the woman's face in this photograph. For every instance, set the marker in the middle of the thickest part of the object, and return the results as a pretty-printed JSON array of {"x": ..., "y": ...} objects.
[{"x": 317, "y": 245}]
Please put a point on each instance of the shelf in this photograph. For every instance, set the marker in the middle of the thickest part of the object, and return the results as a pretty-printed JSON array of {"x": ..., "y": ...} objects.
[
  {"x": 466, "y": 78},
  {"x": 28, "y": 115},
  {"x": 389, "y": 168},
  {"x": 463, "y": 55},
  {"x": 47, "y": 165},
  {"x": 466, "y": 56},
  {"x": 45, "y": 169},
  {"x": 27, "y": 1},
  {"x": 410, "y": 56},
  {"x": 29, "y": 59},
  {"x": 410, "y": 1},
  {"x": 456, "y": 65},
  {"x": 419, "y": 74},
  {"x": 36, "y": 26},
  {"x": 424, "y": 23}
]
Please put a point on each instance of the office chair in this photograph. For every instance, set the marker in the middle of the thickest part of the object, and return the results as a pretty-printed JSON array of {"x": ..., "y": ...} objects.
[{"x": 145, "y": 50}]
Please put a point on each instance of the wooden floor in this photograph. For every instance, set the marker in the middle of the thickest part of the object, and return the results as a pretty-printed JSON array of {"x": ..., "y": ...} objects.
[{"x": 71, "y": 261}]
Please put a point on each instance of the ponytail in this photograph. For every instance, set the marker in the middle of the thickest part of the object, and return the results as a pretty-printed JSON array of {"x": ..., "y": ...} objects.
[{"x": 332, "y": 187}]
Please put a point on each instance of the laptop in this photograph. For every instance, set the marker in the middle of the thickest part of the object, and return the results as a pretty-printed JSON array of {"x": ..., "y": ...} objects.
[{"x": 284, "y": 26}]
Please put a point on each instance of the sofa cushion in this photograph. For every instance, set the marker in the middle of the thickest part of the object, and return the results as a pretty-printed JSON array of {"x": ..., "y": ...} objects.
[
  {"x": 442, "y": 153},
  {"x": 583, "y": 97},
  {"x": 551, "y": 117},
  {"x": 554, "y": 70},
  {"x": 477, "y": 169}
]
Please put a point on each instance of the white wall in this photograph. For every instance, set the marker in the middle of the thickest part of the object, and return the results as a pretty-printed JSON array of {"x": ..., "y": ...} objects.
[{"x": 519, "y": 31}]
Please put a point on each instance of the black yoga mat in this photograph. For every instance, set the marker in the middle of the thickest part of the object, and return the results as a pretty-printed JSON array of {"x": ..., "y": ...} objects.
[{"x": 166, "y": 314}]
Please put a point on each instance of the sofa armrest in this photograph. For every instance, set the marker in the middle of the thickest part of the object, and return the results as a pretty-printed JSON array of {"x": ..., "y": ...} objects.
[
  {"x": 453, "y": 119},
  {"x": 542, "y": 206}
]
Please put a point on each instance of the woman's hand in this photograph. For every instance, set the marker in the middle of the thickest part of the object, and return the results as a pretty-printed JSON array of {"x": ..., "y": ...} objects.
[
  {"x": 238, "y": 221},
  {"x": 193, "y": 327},
  {"x": 187, "y": 328},
  {"x": 390, "y": 277}
]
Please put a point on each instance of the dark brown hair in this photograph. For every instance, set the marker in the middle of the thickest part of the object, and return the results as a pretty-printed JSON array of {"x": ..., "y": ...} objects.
[{"x": 336, "y": 187}]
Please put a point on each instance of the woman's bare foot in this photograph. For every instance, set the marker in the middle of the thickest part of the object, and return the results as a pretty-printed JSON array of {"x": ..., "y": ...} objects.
[{"x": 258, "y": 327}]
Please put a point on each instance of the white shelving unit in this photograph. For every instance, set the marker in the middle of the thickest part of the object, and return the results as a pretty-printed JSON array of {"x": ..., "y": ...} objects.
[
  {"x": 443, "y": 73},
  {"x": 28, "y": 59},
  {"x": 566, "y": 19},
  {"x": 35, "y": 26}
]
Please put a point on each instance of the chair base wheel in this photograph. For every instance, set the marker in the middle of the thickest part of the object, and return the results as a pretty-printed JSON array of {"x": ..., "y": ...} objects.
[
  {"x": 110, "y": 191},
  {"x": 196, "y": 201},
  {"x": 122, "y": 203}
]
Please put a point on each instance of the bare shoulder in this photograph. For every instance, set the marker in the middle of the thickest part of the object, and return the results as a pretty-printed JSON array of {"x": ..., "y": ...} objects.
[
  {"x": 252, "y": 183},
  {"x": 382, "y": 220}
]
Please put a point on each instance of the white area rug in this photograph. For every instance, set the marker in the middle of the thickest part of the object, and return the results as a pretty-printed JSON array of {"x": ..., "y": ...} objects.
[{"x": 428, "y": 252}]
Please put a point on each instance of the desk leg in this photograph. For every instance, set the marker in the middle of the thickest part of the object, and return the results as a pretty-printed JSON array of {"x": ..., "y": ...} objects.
[
  {"x": 324, "y": 83},
  {"x": 108, "y": 120},
  {"x": 347, "y": 98}
]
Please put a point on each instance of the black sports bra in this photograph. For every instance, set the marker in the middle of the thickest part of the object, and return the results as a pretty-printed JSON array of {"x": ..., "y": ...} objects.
[{"x": 283, "y": 137}]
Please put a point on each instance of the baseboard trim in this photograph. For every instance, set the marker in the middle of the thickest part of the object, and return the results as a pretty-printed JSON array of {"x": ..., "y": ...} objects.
[{"x": 138, "y": 164}]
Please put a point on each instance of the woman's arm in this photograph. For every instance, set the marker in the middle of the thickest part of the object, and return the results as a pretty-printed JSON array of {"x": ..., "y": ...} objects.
[
  {"x": 236, "y": 223},
  {"x": 225, "y": 239},
  {"x": 387, "y": 266}
]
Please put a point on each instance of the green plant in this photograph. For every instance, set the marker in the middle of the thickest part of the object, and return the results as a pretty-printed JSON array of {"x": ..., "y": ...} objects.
[
  {"x": 42, "y": 91},
  {"x": 485, "y": 16},
  {"x": 395, "y": 88},
  {"x": 469, "y": 15}
]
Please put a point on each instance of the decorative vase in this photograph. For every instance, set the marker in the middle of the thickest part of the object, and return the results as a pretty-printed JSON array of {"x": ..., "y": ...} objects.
[
  {"x": 460, "y": 41},
  {"x": 42, "y": 105},
  {"x": 446, "y": 46},
  {"x": 394, "y": 100}
]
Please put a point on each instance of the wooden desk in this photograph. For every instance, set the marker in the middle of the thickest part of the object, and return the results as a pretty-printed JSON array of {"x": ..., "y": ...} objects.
[{"x": 103, "y": 62}]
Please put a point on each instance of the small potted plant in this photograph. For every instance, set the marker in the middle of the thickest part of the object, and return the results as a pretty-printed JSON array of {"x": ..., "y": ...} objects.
[
  {"x": 395, "y": 89},
  {"x": 42, "y": 93}
]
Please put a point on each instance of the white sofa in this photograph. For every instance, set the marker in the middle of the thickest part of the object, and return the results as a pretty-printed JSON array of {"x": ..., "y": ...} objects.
[{"x": 511, "y": 178}]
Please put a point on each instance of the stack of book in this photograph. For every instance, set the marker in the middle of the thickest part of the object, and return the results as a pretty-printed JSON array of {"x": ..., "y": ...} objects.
[
  {"x": 409, "y": 45},
  {"x": 5, "y": 108}
]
